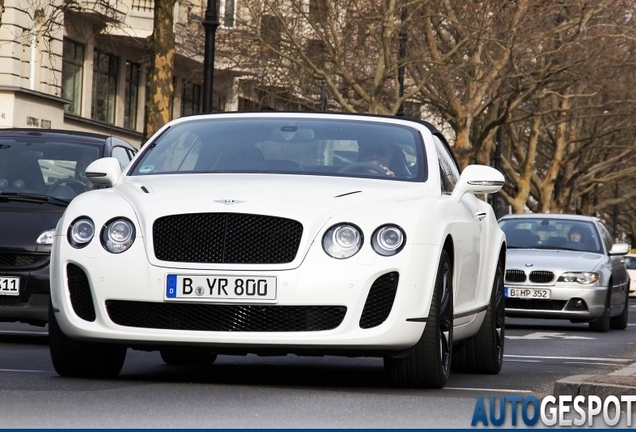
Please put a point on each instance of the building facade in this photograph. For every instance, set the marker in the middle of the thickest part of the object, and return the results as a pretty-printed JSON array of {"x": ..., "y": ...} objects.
[{"x": 82, "y": 64}]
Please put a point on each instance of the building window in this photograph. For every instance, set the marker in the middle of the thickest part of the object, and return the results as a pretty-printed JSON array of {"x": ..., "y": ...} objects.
[
  {"x": 105, "y": 67},
  {"x": 72, "y": 70},
  {"x": 271, "y": 29},
  {"x": 318, "y": 11},
  {"x": 228, "y": 13},
  {"x": 317, "y": 52},
  {"x": 190, "y": 99},
  {"x": 132, "y": 94}
]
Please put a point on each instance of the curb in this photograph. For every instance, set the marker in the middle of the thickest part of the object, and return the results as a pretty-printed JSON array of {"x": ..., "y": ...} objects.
[{"x": 618, "y": 383}]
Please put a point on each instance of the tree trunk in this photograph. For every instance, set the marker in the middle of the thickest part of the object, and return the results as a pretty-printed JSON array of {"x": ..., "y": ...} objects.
[{"x": 161, "y": 45}]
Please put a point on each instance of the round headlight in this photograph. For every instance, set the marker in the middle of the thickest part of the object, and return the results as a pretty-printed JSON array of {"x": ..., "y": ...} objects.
[
  {"x": 81, "y": 232},
  {"x": 342, "y": 241},
  {"x": 118, "y": 235},
  {"x": 388, "y": 240}
]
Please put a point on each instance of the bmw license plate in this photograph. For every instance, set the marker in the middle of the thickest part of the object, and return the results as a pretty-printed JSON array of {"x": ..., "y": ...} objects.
[
  {"x": 219, "y": 288},
  {"x": 9, "y": 286},
  {"x": 527, "y": 293}
]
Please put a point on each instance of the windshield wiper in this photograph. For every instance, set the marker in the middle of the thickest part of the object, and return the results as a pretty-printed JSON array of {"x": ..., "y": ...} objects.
[{"x": 32, "y": 197}]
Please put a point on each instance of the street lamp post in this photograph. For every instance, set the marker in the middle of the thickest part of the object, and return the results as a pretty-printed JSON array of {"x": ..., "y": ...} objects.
[
  {"x": 210, "y": 23},
  {"x": 323, "y": 96},
  {"x": 401, "y": 56}
]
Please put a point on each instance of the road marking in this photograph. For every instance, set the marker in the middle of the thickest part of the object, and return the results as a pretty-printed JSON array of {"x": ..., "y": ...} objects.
[
  {"x": 23, "y": 370},
  {"x": 489, "y": 390},
  {"x": 547, "y": 335},
  {"x": 616, "y": 360},
  {"x": 591, "y": 363},
  {"x": 24, "y": 333},
  {"x": 524, "y": 361}
]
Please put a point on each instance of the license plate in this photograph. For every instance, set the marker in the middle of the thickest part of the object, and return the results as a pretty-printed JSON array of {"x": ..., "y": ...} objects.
[
  {"x": 257, "y": 288},
  {"x": 527, "y": 293},
  {"x": 9, "y": 286}
]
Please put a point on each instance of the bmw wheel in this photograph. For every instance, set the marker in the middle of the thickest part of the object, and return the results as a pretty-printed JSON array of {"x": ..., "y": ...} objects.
[
  {"x": 620, "y": 322},
  {"x": 602, "y": 324}
]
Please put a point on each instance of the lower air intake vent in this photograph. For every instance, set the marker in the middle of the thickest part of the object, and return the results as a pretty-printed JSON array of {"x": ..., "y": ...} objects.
[
  {"x": 238, "y": 318},
  {"x": 80, "y": 291},
  {"x": 380, "y": 300}
]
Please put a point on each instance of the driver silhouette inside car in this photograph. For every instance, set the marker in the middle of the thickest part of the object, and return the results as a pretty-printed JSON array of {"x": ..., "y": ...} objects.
[
  {"x": 377, "y": 154},
  {"x": 575, "y": 239}
]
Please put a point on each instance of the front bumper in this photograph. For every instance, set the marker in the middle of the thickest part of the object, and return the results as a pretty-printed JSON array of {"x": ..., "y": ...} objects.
[
  {"x": 129, "y": 305},
  {"x": 566, "y": 302},
  {"x": 32, "y": 304}
]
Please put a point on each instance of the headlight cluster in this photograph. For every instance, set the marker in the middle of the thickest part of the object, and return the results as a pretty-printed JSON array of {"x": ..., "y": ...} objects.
[
  {"x": 583, "y": 278},
  {"x": 344, "y": 240},
  {"x": 117, "y": 235}
]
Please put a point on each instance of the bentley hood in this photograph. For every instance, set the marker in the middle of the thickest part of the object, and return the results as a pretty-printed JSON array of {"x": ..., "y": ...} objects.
[{"x": 302, "y": 197}]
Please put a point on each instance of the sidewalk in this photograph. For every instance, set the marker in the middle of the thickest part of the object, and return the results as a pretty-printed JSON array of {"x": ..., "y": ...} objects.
[{"x": 618, "y": 383}]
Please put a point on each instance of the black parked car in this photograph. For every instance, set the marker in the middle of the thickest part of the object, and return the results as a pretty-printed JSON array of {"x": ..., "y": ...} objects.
[{"x": 41, "y": 171}]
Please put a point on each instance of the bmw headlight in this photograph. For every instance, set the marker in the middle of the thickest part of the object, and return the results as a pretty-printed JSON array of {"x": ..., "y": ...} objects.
[
  {"x": 583, "y": 278},
  {"x": 342, "y": 241},
  {"x": 81, "y": 232},
  {"x": 388, "y": 240},
  {"x": 118, "y": 235}
]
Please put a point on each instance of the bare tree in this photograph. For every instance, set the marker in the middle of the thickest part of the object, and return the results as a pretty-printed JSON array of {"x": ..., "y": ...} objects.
[
  {"x": 161, "y": 45},
  {"x": 290, "y": 47}
]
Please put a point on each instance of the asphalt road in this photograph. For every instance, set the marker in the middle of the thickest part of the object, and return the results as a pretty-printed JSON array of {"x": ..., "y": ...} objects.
[{"x": 289, "y": 392}]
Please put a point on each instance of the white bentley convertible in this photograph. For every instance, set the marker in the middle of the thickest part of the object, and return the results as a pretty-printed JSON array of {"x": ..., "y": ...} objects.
[{"x": 283, "y": 233}]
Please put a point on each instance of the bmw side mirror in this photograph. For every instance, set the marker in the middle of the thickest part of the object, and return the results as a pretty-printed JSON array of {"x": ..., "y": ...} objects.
[{"x": 619, "y": 249}]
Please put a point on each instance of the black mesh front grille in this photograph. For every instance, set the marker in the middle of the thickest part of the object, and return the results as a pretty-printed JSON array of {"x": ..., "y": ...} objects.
[
  {"x": 36, "y": 300},
  {"x": 232, "y": 238},
  {"x": 80, "y": 291},
  {"x": 11, "y": 260},
  {"x": 380, "y": 300},
  {"x": 13, "y": 300},
  {"x": 515, "y": 276},
  {"x": 548, "y": 305},
  {"x": 540, "y": 276},
  {"x": 237, "y": 318},
  {"x": 39, "y": 300}
]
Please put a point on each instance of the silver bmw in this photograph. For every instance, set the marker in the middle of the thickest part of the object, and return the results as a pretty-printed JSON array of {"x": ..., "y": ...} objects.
[{"x": 565, "y": 266}]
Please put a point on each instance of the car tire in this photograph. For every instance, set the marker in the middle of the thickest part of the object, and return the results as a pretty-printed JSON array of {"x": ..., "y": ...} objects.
[
  {"x": 427, "y": 365},
  {"x": 187, "y": 356},
  {"x": 483, "y": 352},
  {"x": 620, "y": 322},
  {"x": 602, "y": 324},
  {"x": 73, "y": 358}
]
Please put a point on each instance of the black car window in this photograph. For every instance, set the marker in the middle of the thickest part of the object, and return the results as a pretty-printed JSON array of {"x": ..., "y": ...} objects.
[
  {"x": 52, "y": 166},
  {"x": 122, "y": 156},
  {"x": 551, "y": 233},
  {"x": 293, "y": 145}
]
